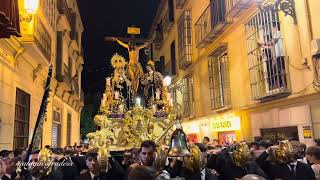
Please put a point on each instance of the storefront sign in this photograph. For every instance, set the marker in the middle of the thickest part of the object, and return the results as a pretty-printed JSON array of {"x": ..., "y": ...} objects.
[
  {"x": 307, "y": 132},
  {"x": 230, "y": 124}
]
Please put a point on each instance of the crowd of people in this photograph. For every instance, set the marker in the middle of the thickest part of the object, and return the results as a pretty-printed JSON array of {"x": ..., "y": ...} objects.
[{"x": 258, "y": 160}]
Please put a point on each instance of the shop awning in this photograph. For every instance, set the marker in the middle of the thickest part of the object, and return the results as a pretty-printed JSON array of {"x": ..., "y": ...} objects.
[{"x": 9, "y": 19}]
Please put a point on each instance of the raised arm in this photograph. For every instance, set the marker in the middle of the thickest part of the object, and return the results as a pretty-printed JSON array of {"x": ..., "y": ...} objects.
[
  {"x": 121, "y": 43},
  {"x": 144, "y": 45}
]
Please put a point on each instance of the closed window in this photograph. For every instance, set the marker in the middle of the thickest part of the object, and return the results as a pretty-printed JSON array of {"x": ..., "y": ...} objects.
[
  {"x": 219, "y": 83},
  {"x": 21, "y": 120},
  {"x": 56, "y": 128},
  {"x": 185, "y": 39},
  {"x": 69, "y": 128},
  {"x": 188, "y": 96}
]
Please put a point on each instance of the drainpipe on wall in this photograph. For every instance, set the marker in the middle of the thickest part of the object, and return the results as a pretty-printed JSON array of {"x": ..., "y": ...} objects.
[{"x": 309, "y": 19}]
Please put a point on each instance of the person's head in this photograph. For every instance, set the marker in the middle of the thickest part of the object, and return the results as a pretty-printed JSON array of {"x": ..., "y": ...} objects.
[
  {"x": 8, "y": 158},
  {"x": 47, "y": 146},
  {"x": 205, "y": 140},
  {"x": 141, "y": 172},
  {"x": 317, "y": 141},
  {"x": 57, "y": 153},
  {"x": 131, "y": 45},
  {"x": 18, "y": 152},
  {"x": 263, "y": 145},
  {"x": 204, "y": 155},
  {"x": 313, "y": 154},
  {"x": 275, "y": 26},
  {"x": 127, "y": 158},
  {"x": 146, "y": 154},
  {"x": 254, "y": 146},
  {"x": 252, "y": 177},
  {"x": 4, "y": 153},
  {"x": 92, "y": 161},
  {"x": 79, "y": 149}
]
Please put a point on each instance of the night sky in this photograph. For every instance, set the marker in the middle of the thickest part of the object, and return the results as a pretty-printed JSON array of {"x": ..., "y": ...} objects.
[{"x": 109, "y": 18}]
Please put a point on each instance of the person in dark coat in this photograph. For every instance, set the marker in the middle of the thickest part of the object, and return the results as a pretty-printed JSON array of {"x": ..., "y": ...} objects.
[
  {"x": 64, "y": 165},
  {"x": 200, "y": 173},
  {"x": 290, "y": 169},
  {"x": 93, "y": 171},
  {"x": 228, "y": 168}
]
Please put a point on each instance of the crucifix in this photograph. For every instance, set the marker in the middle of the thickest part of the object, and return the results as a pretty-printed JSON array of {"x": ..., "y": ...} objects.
[{"x": 135, "y": 71}]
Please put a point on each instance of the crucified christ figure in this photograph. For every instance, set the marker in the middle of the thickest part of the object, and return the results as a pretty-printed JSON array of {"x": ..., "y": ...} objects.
[{"x": 135, "y": 71}]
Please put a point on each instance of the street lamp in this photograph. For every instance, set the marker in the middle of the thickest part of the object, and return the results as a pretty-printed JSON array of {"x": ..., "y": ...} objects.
[
  {"x": 167, "y": 81},
  {"x": 30, "y": 9},
  {"x": 31, "y": 6}
]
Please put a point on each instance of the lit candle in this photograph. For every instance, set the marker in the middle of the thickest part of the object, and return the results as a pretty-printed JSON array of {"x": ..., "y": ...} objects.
[
  {"x": 168, "y": 96},
  {"x": 116, "y": 95},
  {"x": 158, "y": 94},
  {"x": 108, "y": 81},
  {"x": 138, "y": 101},
  {"x": 121, "y": 108},
  {"x": 154, "y": 108},
  {"x": 171, "y": 102},
  {"x": 102, "y": 103}
]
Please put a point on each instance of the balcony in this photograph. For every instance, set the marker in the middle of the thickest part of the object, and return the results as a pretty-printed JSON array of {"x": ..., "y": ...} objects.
[
  {"x": 180, "y": 3},
  {"x": 234, "y": 7},
  {"x": 159, "y": 36},
  {"x": 64, "y": 19},
  {"x": 211, "y": 23},
  {"x": 74, "y": 34},
  {"x": 64, "y": 80},
  {"x": 75, "y": 89},
  {"x": 168, "y": 21},
  {"x": 269, "y": 79},
  {"x": 185, "y": 40},
  {"x": 37, "y": 40}
]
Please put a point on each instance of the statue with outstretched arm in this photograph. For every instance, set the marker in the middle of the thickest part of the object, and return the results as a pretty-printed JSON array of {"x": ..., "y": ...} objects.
[{"x": 135, "y": 71}]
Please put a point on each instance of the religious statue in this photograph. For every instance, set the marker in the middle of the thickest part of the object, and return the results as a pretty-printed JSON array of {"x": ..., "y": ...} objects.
[
  {"x": 152, "y": 81},
  {"x": 135, "y": 71},
  {"x": 119, "y": 76}
]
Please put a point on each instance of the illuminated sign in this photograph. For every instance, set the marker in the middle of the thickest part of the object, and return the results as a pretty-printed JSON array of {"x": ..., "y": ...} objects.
[
  {"x": 232, "y": 123},
  {"x": 133, "y": 30}
]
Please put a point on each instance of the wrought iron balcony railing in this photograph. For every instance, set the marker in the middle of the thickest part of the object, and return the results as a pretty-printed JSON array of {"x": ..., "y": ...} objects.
[
  {"x": 180, "y": 3},
  {"x": 211, "y": 23},
  {"x": 167, "y": 21},
  {"x": 234, "y": 7},
  {"x": 37, "y": 38},
  {"x": 64, "y": 10}
]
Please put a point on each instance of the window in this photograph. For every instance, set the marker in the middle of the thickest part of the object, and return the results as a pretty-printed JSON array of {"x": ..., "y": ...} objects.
[
  {"x": 21, "y": 120},
  {"x": 188, "y": 96},
  {"x": 69, "y": 120},
  {"x": 48, "y": 8},
  {"x": 267, "y": 62},
  {"x": 56, "y": 127},
  {"x": 59, "y": 56},
  {"x": 219, "y": 83},
  {"x": 173, "y": 58},
  {"x": 185, "y": 40},
  {"x": 174, "y": 96}
]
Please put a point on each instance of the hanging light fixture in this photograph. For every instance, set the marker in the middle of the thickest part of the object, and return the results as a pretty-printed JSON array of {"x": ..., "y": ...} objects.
[
  {"x": 31, "y": 6},
  {"x": 30, "y": 9}
]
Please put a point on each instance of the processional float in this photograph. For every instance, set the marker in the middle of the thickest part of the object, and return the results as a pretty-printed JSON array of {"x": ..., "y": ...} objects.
[{"x": 125, "y": 121}]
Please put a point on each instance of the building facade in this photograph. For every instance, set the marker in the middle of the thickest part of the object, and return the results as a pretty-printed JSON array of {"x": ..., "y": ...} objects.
[
  {"x": 50, "y": 35},
  {"x": 242, "y": 68}
]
